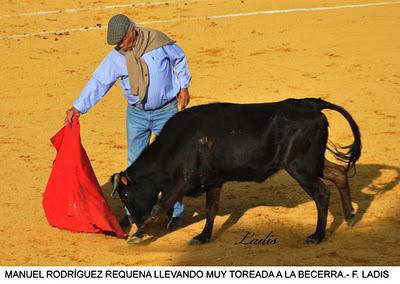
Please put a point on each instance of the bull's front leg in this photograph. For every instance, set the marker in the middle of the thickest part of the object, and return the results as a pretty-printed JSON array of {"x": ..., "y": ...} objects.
[
  {"x": 137, "y": 237},
  {"x": 212, "y": 204},
  {"x": 158, "y": 210}
]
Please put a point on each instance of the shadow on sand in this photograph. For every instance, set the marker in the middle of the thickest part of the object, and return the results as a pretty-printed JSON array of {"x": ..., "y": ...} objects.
[{"x": 280, "y": 190}]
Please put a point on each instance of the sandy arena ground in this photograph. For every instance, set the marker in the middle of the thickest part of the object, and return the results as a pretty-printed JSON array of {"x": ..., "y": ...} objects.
[{"x": 349, "y": 56}]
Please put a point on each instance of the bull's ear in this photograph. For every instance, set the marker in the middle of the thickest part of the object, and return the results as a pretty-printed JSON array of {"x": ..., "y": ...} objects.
[{"x": 124, "y": 180}]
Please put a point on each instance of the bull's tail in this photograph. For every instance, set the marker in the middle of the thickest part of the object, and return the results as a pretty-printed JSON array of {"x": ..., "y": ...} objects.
[{"x": 350, "y": 153}]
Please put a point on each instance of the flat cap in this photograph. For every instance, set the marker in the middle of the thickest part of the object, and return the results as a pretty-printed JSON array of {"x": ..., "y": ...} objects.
[{"x": 117, "y": 28}]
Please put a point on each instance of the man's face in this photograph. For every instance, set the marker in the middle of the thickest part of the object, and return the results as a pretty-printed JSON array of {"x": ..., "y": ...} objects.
[{"x": 128, "y": 41}]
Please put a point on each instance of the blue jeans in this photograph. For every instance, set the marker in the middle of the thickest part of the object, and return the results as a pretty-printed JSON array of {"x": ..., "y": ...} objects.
[{"x": 139, "y": 125}]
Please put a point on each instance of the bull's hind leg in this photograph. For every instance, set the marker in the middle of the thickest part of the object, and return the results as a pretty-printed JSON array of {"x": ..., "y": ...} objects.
[
  {"x": 338, "y": 175},
  {"x": 317, "y": 190},
  {"x": 212, "y": 204}
]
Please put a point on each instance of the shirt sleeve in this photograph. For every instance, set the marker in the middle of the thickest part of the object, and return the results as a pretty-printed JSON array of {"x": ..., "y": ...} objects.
[
  {"x": 179, "y": 63},
  {"x": 102, "y": 80}
]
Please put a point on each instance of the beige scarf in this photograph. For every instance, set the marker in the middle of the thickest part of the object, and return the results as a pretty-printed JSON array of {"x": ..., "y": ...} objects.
[{"x": 138, "y": 72}]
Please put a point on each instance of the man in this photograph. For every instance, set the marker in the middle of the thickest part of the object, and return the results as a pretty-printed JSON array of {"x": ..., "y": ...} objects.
[{"x": 154, "y": 76}]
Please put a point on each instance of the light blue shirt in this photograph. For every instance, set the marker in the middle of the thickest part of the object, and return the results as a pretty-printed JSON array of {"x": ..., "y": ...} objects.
[{"x": 168, "y": 73}]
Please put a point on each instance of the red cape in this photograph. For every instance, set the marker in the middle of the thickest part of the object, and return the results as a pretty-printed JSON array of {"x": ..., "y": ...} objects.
[{"x": 73, "y": 198}]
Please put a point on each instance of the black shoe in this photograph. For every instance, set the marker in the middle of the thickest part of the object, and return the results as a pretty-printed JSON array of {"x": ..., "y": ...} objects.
[
  {"x": 174, "y": 223},
  {"x": 126, "y": 221}
]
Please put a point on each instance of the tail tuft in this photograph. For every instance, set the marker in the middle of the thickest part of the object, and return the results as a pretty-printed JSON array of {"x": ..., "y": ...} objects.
[
  {"x": 345, "y": 154},
  {"x": 351, "y": 153}
]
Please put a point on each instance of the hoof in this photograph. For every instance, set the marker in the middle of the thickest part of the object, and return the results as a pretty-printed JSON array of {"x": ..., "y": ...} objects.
[
  {"x": 350, "y": 221},
  {"x": 134, "y": 240},
  {"x": 313, "y": 240},
  {"x": 195, "y": 242}
]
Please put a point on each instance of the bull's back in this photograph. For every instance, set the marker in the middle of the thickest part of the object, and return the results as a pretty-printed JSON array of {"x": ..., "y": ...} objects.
[
  {"x": 218, "y": 117},
  {"x": 234, "y": 141},
  {"x": 232, "y": 122}
]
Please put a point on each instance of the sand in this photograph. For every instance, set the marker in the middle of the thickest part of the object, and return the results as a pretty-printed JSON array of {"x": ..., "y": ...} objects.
[{"x": 348, "y": 56}]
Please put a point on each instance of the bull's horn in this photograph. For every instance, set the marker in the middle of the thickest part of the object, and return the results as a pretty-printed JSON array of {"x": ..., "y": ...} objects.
[{"x": 115, "y": 182}]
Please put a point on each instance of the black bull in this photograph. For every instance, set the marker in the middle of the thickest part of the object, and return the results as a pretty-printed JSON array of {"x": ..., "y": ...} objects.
[{"x": 203, "y": 147}]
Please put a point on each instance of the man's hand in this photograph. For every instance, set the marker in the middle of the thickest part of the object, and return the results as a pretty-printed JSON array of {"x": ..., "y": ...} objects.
[
  {"x": 183, "y": 98},
  {"x": 70, "y": 113}
]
